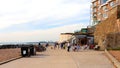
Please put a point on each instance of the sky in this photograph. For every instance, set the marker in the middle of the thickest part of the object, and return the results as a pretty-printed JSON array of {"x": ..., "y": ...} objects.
[{"x": 41, "y": 20}]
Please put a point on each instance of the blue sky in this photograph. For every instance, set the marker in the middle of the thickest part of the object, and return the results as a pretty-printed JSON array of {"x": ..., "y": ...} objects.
[{"x": 39, "y": 20}]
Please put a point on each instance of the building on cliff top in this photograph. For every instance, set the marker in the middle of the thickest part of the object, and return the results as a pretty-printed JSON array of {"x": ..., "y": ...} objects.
[
  {"x": 105, "y": 16},
  {"x": 100, "y": 9}
]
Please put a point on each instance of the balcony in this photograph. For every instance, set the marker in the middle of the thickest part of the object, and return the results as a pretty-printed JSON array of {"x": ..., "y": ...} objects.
[
  {"x": 94, "y": 0},
  {"x": 109, "y": 1},
  {"x": 94, "y": 6},
  {"x": 94, "y": 12},
  {"x": 102, "y": 5}
]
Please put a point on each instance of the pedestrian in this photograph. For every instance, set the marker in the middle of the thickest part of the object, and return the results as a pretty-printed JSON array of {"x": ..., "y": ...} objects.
[
  {"x": 77, "y": 47},
  {"x": 47, "y": 45},
  {"x": 39, "y": 45},
  {"x": 60, "y": 45},
  {"x": 69, "y": 46},
  {"x": 55, "y": 45},
  {"x": 85, "y": 46}
]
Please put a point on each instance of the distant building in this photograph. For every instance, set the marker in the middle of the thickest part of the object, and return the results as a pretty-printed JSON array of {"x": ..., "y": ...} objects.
[
  {"x": 76, "y": 39},
  {"x": 65, "y": 37},
  {"x": 102, "y": 9},
  {"x": 82, "y": 34}
]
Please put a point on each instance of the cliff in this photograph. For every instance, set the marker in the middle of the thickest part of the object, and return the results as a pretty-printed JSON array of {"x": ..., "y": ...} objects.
[{"x": 107, "y": 32}]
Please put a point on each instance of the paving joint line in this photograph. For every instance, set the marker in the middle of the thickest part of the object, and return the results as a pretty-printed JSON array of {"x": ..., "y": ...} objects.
[
  {"x": 3, "y": 62},
  {"x": 75, "y": 61}
]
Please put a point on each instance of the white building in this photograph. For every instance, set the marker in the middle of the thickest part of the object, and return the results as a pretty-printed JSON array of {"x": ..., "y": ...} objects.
[{"x": 65, "y": 37}]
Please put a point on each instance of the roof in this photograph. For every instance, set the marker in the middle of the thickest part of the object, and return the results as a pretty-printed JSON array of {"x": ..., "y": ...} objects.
[{"x": 67, "y": 33}]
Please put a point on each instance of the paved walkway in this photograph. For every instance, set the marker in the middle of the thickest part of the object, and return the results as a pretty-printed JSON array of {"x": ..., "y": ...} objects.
[{"x": 62, "y": 59}]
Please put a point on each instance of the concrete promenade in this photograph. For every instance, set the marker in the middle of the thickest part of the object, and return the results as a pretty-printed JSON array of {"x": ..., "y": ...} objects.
[{"x": 62, "y": 59}]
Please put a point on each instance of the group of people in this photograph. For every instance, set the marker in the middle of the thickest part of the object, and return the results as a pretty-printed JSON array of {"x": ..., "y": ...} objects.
[
  {"x": 76, "y": 47},
  {"x": 70, "y": 47}
]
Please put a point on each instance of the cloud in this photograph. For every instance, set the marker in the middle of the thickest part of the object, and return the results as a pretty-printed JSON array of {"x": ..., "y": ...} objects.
[
  {"x": 46, "y": 24},
  {"x": 39, "y": 35},
  {"x": 37, "y": 20},
  {"x": 24, "y": 11}
]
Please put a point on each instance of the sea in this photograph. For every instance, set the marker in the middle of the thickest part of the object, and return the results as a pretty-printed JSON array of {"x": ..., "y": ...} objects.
[{"x": 34, "y": 43}]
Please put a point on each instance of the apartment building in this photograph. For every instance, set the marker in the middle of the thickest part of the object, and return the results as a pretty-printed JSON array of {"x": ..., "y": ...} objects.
[{"x": 101, "y": 10}]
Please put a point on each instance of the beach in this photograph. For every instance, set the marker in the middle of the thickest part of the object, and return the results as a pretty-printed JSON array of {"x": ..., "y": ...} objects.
[{"x": 7, "y": 54}]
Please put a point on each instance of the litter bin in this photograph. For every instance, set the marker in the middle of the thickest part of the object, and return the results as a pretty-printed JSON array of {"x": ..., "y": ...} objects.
[
  {"x": 32, "y": 50},
  {"x": 25, "y": 51}
]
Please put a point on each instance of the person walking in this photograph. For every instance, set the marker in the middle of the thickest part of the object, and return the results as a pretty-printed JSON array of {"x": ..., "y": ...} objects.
[
  {"x": 69, "y": 46},
  {"x": 55, "y": 45},
  {"x": 46, "y": 45},
  {"x": 78, "y": 47}
]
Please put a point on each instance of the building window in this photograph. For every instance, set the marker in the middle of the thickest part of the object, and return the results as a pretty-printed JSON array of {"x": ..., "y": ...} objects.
[
  {"x": 94, "y": 10},
  {"x": 103, "y": 1},
  {"x": 105, "y": 8},
  {"x": 112, "y": 4},
  {"x": 105, "y": 15},
  {"x": 94, "y": 4}
]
